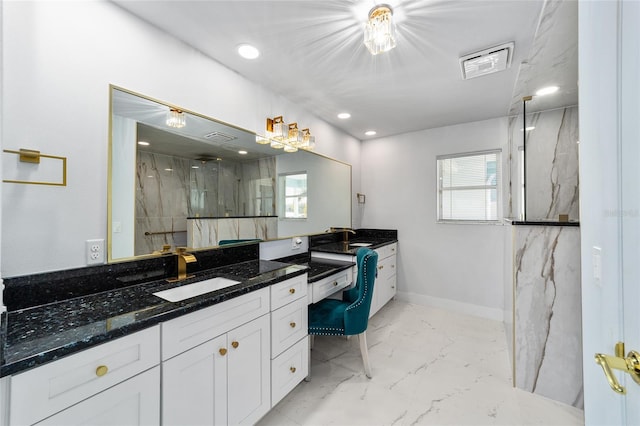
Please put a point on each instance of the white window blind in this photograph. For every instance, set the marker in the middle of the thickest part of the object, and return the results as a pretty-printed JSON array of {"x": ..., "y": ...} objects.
[{"x": 469, "y": 187}]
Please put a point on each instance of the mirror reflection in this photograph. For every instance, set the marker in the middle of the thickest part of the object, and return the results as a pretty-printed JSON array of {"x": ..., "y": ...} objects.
[{"x": 178, "y": 178}]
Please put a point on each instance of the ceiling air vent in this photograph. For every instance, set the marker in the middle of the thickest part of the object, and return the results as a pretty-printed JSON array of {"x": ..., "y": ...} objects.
[
  {"x": 486, "y": 61},
  {"x": 219, "y": 137}
]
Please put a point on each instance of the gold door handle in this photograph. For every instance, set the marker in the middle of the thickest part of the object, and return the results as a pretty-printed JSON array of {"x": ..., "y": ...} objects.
[
  {"x": 223, "y": 351},
  {"x": 102, "y": 370},
  {"x": 235, "y": 344},
  {"x": 630, "y": 364},
  {"x": 292, "y": 290}
]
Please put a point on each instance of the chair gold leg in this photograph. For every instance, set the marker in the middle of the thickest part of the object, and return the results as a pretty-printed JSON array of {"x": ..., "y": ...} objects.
[{"x": 362, "y": 337}]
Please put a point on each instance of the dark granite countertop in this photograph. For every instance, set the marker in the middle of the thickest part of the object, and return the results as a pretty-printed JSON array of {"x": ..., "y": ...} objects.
[
  {"x": 348, "y": 248},
  {"x": 543, "y": 223},
  {"x": 40, "y": 334}
]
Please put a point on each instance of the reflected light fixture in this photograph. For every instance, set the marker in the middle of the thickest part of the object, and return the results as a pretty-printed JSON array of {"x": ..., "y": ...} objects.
[
  {"x": 547, "y": 91},
  {"x": 277, "y": 132},
  {"x": 262, "y": 141},
  {"x": 380, "y": 31},
  {"x": 176, "y": 118}
]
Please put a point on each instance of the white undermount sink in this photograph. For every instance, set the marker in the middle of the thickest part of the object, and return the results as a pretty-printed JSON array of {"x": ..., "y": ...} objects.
[
  {"x": 177, "y": 294},
  {"x": 360, "y": 244}
]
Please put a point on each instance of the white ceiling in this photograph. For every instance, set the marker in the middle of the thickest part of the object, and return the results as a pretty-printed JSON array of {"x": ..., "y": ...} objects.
[{"x": 312, "y": 53}]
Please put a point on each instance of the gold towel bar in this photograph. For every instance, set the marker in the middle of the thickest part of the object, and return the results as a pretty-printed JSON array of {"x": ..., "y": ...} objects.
[{"x": 33, "y": 156}]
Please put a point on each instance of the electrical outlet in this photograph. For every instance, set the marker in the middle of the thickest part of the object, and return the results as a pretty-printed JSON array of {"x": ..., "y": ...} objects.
[
  {"x": 296, "y": 242},
  {"x": 95, "y": 252}
]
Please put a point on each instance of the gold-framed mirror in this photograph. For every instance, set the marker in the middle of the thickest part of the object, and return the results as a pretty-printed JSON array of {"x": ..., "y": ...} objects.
[{"x": 196, "y": 181}]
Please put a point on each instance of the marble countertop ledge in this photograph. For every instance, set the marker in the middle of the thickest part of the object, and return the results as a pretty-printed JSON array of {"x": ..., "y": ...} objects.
[{"x": 41, "y": 334}]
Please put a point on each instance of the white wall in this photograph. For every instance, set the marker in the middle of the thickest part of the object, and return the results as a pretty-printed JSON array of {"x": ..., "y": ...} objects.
[
  {"x": 454, "y": 266},
  {"x": 59, "y": 59}
]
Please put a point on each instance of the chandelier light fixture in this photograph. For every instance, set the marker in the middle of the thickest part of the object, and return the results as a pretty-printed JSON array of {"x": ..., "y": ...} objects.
[
  {"x": 308, "y": 140},
  {"x": 294, "y": 138},
  {"x": 176, "y": 118},
  {"x": 277, "y": 132},
  {"x": 380, "y": 31}
]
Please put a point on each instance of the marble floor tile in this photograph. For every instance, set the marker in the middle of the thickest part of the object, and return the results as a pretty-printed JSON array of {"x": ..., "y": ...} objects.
[{"x": 430, "y": 367}]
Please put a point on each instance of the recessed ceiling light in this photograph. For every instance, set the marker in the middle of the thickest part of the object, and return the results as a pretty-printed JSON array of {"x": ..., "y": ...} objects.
[
  {"x": 370, "y": 132},
  {"x": 168, "y": 170},
  {"x": 547, "y": 90},
  {"x": 528, "y": 128},
  {"x": 143, "y": 143},
  {"x": 344, "y": 115},
  {"x": 242, "y": 152},
  {"x": 248, "y": 51}
]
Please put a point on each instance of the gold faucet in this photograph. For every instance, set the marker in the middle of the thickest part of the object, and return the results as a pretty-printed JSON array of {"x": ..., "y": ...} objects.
[
  {"x": 166, "y": 249},
  {"x": 183, "y": 259},
  {"x": 345, "y": 233}
]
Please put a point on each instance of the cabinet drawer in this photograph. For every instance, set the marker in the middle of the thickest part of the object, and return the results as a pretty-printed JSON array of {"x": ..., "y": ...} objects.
[
  {"x": 289, "y": 369},
  {"x": 386, "y": 267},
  {"x": 288, "y": 325},
  {"x": 183, "y": 333},
  {"x": 133, "y": 402},
  {"x": 327, "y": 286},
  {"x": 288, "y": 291},
  {"x": 386, "y": 251},
  {"x": 45, "y": 390}
]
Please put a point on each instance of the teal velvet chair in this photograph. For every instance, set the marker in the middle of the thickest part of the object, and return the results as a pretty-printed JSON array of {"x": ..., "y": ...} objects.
[{"x": 349, "y": 316}]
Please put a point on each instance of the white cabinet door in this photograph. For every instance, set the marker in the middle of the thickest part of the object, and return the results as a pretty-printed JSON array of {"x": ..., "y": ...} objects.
[
  {"x": 133, "y": 402},
  {"x": 194, "y": 388},
  {"x": 248, "y": 372},
  {"x": 385, "y": 284},
  {"x": 225, "y": 380}
]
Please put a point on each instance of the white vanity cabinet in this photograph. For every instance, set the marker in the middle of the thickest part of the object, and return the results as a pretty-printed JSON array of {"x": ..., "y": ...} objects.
[
  {"x": 216, "y": 363},
  {"x": 385, "y": 285},
  {"x": 289, "y": 336},
  {"x": 115, "y": 383}
]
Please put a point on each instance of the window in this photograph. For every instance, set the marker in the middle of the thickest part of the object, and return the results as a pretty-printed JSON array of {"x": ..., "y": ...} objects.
[
  {"x": 469, "y": 187},
  {"x": 293, "y": 195}
]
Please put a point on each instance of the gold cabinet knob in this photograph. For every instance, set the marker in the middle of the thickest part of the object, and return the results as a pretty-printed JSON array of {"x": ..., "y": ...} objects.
[
  {"x": 381, "y": 266},
  {"x": 292, "y": 290},
  {"x": 292, "y": 324},
  {"x": 335, "y": 283},
  {"x": 293, "y": 369},
  {"x": 223, "y": 351},
  {"x": 102, "y": 370},
  {"x": 235, "y": 344}
]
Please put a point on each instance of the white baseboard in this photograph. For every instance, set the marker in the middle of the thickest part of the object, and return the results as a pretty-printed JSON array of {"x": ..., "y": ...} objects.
[{"x": 452, "y": 305}]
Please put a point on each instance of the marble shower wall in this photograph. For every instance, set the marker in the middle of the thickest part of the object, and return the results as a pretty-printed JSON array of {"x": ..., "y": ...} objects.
[
  {"x": 162, "y": 201},
  {"x": 207, "y": 232},
  {"x": 169, "y": 189},
  {"x": 552, "y": 165},
  {"x": 547, "y": 327}
]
